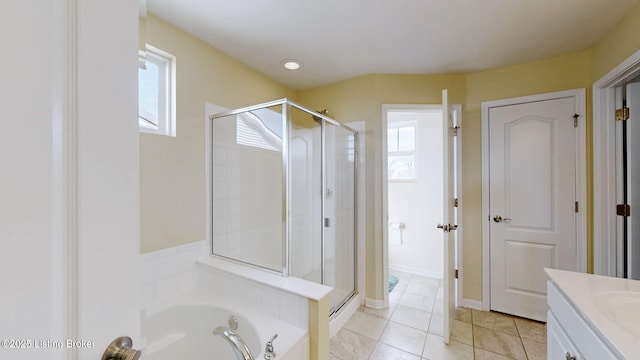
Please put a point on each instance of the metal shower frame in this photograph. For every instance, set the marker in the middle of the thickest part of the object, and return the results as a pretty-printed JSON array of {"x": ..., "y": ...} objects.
[{"x": 286, "y": 130}]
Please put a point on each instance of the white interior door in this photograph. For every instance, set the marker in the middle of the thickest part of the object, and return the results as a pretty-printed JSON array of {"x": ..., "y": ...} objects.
[
  {"x": 69, "y": 215},
  {"x": 448, "y": 219},
  {"x": 532, "y": 201}
]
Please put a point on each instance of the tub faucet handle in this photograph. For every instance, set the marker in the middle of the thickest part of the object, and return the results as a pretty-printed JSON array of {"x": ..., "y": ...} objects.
[{"x": 269, "y": 353}]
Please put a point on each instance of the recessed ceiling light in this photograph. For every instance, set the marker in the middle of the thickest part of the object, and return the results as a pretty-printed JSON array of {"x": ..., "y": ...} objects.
[{"x": 291, "y": 64}]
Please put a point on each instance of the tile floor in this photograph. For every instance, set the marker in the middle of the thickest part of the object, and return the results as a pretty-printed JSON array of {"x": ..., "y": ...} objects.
[{"x": 411, "y": 329}]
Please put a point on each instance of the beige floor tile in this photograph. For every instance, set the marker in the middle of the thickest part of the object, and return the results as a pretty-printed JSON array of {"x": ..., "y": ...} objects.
[
  {"x": 535, "y": 350},
  {"x": 436, "y": 325},
  {"x": 532, "y": 330},
  {"x": 462, "y": 314},
  {"x": 440, "y": 294},
  {"x": 418, "y": 279},
  {"x": 416, "y": 301},
  {"x": 367, "y": 325},
  {"x": 494, "y": 321},
  {"x": 404, "y": 338},
  {"x": 407, "y": 330},
  {"x": 386, "y": 352},
  {"x": 436, "y": 349},
  {"x": 462, "y": 332},
  {"x": 422, "y": 289},
  {"x": 498, "y": 342},
  {"x": 438, "y": 307},
  {"x": 347, "y": 345},
  {"x": 409, "y": 316},
  {"x": 482, "y": 354},
  {"x": 395, "y": 296}
]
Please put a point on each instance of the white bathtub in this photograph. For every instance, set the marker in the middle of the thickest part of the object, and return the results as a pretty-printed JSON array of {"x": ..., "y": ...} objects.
[{"x": 183, "y": 329}]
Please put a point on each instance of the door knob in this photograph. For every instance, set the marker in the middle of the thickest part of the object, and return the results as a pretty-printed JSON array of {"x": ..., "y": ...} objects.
[
  {"x": 120, "y": 349},
  {"x": 499, "y": 218},
  {"x": 447, "y": 227}
]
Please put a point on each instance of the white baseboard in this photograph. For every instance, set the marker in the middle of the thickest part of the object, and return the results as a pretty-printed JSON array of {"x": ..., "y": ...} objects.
[
  {"x": 374, "y": 303},
  {"x": 338, "y": 320},
  {"x": 417, "y": 271},
  {"x": 472, "y": 304}
]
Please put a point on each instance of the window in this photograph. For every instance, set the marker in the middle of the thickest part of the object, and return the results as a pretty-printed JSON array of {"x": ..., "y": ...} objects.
[
  {"x": 156, "y": 92},
  {"x": 401, "y": 147},
  {"x": 255, "y": 131}
]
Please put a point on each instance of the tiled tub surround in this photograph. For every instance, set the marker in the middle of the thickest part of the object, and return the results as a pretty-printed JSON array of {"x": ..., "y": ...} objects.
[
  {"x": 296, "y": 301},
  {"x": 182, "y": 329},
  {"x": 164, "y": 274},
  {"x": 170, "y": 273}
]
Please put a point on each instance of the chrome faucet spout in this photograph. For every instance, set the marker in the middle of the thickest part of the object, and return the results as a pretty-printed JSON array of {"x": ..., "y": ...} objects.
[{"x": 239, "y": 346}]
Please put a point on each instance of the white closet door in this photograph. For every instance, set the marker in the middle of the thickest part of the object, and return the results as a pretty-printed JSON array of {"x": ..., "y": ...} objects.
[{"x": 532, "y": 201}]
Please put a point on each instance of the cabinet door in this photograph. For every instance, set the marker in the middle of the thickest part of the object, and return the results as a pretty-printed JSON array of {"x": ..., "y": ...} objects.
[{"x": 559, "y": 347}]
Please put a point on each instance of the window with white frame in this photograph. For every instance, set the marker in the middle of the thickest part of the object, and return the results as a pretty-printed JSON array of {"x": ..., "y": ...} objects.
[
  {"x": 401, "y": 148},
  {"x": 156, "y": 92}
]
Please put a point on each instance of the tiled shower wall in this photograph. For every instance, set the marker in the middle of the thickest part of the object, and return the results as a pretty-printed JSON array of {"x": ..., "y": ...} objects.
[{"x": 247, "y": 199}]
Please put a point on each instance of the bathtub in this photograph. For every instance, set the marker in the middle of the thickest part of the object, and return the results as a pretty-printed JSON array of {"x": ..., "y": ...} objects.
[{"x": 183, "y": 329}]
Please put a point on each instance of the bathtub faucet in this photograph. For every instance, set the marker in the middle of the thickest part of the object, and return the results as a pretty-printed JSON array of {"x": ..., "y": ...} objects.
[{"x": 238, "y": 345}]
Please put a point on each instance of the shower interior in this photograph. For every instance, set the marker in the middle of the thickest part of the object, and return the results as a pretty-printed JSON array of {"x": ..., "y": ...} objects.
[{"x": 284, "y": 193}]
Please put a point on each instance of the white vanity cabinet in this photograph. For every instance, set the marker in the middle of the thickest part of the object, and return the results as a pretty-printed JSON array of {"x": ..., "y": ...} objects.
[
  {"x": 559, "y": 346},
  {"x": 577, "y": 326},
  {"x": 569, "y": 336}
]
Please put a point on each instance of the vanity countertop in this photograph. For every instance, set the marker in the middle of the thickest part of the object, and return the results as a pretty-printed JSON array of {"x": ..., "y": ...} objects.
[{"x": 610, "y": 305}]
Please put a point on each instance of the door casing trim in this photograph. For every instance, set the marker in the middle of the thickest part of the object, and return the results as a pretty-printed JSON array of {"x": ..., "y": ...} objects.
[
  {"x": 385, "y": 209},
  {"x": 581, "y": 181},
  {"x": 605, "y": 242}
]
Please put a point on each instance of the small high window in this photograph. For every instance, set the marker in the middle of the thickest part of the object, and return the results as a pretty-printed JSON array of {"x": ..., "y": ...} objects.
[
  {"x": 401, "y": 147},
  {"x": 156, "y": 92}
]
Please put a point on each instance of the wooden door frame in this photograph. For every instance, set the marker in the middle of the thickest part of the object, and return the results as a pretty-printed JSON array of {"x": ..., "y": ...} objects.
[
  {"x": 581, "y": 181},
  {"x": 605, "y": 233}
]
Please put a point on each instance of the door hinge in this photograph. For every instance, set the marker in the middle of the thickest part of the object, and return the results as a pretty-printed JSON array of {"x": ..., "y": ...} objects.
[
  {"x": 577, "y": 207},
  {"x": 623, "y": 210},
  {"x": 455, "y": 202},
  {"x": 575, "y": 120},
  {"x": 455, "y": 274},
  {"x": 622, "y": 114},
  {"x": 455, "y": 130}
]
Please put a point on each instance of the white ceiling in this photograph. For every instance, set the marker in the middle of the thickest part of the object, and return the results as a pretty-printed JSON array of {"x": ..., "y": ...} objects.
[{"x": 341, "y": 39}]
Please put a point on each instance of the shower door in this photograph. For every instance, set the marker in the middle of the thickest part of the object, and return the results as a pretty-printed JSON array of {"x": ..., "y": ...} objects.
[
  {"x": 322, "y": 204},
  {"x": 339, "y": 214},
  {"x": 305, "y": 204}
]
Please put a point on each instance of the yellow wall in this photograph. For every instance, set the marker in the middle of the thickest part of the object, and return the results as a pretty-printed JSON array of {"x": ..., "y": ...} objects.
[
  {"x": 560, "y": 73},
  {"x": 173, "y": 168},
  {"x": 173, "y": 203},
  {"x": 617, "y": 45},
  {"x": 565, "y": 72},
  {"x": 361, "y": 99}
]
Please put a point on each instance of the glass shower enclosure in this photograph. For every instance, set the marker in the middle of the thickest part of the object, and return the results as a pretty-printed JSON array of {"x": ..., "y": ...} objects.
[{"x": 284, "y": 193}]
